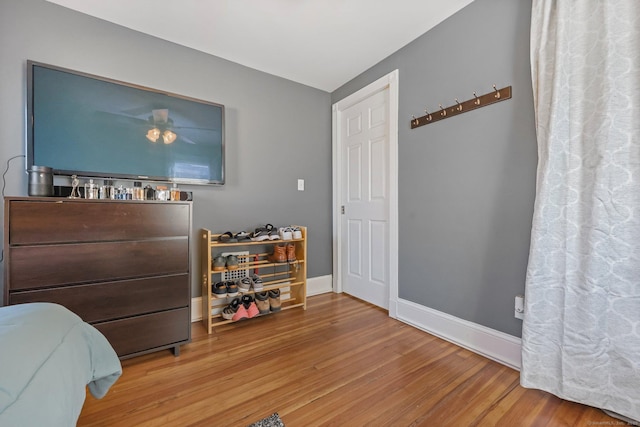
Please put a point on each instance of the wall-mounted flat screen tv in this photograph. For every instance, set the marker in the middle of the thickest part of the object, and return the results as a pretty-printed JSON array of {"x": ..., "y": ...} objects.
[{"x": 91, "y": 126}]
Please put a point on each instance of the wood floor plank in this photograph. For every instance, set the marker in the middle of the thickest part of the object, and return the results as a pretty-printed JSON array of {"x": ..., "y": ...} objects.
[{"x": 341, "y": 362}]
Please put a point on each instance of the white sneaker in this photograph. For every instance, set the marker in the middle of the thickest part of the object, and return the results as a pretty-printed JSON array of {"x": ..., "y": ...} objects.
[
  {"x": 285, "y": 233},
  {"x": 296, "y": 232},
  {"x": 257, "y": 283},
  {"x": 244, "y": 284}
]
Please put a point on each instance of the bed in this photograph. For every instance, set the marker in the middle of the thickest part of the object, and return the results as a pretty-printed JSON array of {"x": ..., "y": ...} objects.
[{"x": 48, "y": 356}]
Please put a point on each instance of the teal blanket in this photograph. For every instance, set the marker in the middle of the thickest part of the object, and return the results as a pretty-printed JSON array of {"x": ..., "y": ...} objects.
[{"x": 48, "y": 356}]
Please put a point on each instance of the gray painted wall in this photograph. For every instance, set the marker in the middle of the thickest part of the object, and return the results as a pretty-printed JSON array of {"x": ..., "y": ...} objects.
[
  {"x": 466, "y": 184},
  {"x": 276, "y": 131}
]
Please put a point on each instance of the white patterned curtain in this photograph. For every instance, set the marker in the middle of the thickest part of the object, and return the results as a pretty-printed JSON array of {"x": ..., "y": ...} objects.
[{"x": 581, "y": 331}]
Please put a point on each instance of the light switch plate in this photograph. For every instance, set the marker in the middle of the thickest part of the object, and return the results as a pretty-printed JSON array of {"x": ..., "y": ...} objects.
[{"x": 301, "y": 185}]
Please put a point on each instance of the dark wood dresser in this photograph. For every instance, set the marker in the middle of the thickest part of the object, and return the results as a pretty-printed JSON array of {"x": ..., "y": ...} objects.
[{"x": 122, "y": 266}]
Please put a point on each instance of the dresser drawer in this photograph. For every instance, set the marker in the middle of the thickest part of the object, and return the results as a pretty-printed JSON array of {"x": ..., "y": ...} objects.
[
  {"x": 90, "y": 221},
  {"x": 114, "y": 300},
  {"x": 144, "y": 333},
  {"x": 35, "y": 267}
]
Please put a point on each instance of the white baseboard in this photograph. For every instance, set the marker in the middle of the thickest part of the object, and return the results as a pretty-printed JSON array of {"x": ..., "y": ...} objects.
[
  {"x": 495, "y": 345},
  {"x": 196, "y": 309},
  {"x": 319, "y": 285},
  {"x": 315, "y": 286}
]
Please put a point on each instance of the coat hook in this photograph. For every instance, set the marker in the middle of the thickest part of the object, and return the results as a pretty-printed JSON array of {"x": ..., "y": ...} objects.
[
  {"x": 477, "y": 101},
  {"x": 497, "y": 95},
  {"x": 428, "y": 115},
  {"x": 414, "y": 120},
  {"x": 443, "y": 112},
  {"x": 459, "y": 107}
]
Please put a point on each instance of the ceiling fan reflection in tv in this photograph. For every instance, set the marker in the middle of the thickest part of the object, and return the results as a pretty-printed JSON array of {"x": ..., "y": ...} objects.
[{"x": 162, "y": 126}]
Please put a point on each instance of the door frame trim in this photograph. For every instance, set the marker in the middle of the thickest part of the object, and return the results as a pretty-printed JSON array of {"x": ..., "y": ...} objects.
[{"x": 391, "y": 82}]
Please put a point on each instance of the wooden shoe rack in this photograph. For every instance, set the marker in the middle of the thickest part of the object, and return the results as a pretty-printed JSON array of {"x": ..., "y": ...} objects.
[{"x": 289, "y": 277}]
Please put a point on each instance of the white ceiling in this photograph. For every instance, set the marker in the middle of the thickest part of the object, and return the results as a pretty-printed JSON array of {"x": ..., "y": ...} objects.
[{"x": 319, "y": 43}]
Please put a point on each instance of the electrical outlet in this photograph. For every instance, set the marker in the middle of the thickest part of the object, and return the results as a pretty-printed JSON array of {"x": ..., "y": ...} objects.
[
  {"x": 519, "y": 307},
  {"x": 301, "y": 185}
]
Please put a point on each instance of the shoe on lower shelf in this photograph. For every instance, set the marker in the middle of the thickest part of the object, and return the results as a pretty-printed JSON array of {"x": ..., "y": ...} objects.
[
  {"x": 274, "y": 300},
  {"x": 262, "y": 302},
  {"x": 244, "y": 284},
  {"x": 219, "y": 263},
  {"x": 232, "y": 262},
  {"x": 250, "y": 306},
  {"x": 257, "y": 283},
  {"x": 219, "y": 290},
  {"x": 232, "y": 288},
  {"x": 240, "y": 314},
  {"x": 229, "y": 311}
]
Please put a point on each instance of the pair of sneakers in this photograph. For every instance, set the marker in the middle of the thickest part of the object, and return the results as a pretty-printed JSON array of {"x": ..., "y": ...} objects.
[
  {"x": 241, "y": 308},
  {"x": 230, "y": 262},
  {"x": 247, "y": 283},
  {"x": 290, "y": 233},
  {"x": 268, "y": 301},
  {"x": 225, "y": 289}
]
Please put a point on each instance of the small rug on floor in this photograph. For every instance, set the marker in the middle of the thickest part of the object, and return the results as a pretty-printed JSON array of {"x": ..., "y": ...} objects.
[{"x": 271, "y": 421}]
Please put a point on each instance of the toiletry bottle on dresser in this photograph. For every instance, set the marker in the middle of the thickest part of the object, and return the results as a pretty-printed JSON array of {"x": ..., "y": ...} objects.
[
  {"x": 175, "y": 192},
  {"x": 90, "y": 190},
  {"x": 149, "y": 193},
  {"x": 138, "y": 192},
  {"x": 106, "y": 190}
]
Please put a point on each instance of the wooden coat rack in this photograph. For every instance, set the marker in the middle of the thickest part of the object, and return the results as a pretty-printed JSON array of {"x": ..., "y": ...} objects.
[{"x": 462, "y": 107}]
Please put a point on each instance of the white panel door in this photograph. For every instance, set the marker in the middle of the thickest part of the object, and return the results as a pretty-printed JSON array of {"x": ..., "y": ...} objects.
[{"x": 365, "y": 197}]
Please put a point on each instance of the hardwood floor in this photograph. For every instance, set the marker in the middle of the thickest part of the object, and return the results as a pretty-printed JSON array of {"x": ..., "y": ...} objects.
[{"x": 342, "y": 362}]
